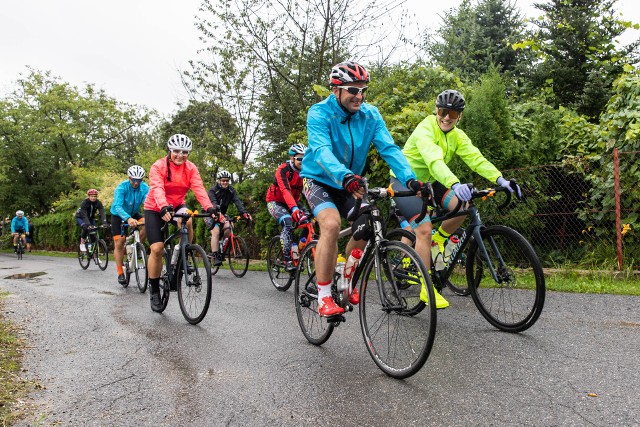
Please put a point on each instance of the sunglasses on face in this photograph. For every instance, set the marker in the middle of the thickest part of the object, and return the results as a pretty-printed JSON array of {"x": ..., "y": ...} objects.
[
  {"x": 453, "y": 114},
  {"x": 138, "y": 181},
  {"x": 354, "y": 90},
  {"x": 183, "y": 152},
  {"x": 298, "y": 158}
]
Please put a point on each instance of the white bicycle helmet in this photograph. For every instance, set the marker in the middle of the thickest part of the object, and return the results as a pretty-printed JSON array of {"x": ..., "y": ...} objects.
[
  {"x": 179, "y": 142},
  {"x": 135, "y": 172},
  {"x": 297, "y": 149},
  {"x": 19, "y": 213},
  {"x": 224, "y": 175}
]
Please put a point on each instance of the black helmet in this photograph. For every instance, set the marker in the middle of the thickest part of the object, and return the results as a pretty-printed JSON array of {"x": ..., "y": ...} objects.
[{"x": 451, "y": 99}]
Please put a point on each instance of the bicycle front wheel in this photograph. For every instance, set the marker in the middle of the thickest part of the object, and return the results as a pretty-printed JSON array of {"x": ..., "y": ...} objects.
[
  {"x": 513, "y": 300},
  {"x": 315, "y": 329},
  {"x": 238, "y": 254},
  {"x": 280, "y": 277},
  {"x": 398, "y": 336},
  {"x": 19, "y": 249},
  {"x": 102, "y": 255},
  {"x": 83, "y": 258},
  {"x": 165, "y": 286},
  {"x": 194, "y": 289},
  {"x": 140, "y": 267}
]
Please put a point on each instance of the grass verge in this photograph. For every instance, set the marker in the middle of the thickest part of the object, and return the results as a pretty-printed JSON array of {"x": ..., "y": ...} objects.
[{"x": 13, "y": 388}]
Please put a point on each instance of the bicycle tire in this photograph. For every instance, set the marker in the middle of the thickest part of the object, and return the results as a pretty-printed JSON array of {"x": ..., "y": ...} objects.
[
  {"x": 515, "y": 304},
  {"x": 19, "y": 249},
  {"x": 397, "y": 336},
  {"x": 102, "y": 255},
  {"x": 238, "y": 254},
  {"x": 165, "y": 287},
  {"x": 315, "y": 328},
  {"x": 140, "y": 268},
  {"x": 194, "y": 289},
  {"x": 280, "y": 278},
  {"x": 83, "y": 258}
]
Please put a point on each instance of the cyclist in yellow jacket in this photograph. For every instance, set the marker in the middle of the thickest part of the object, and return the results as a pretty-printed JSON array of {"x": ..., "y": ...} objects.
[{"x": 429, "y": 149}]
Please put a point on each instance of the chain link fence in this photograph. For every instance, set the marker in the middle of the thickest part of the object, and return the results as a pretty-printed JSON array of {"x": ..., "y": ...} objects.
[{"x": 579, "y": 214}]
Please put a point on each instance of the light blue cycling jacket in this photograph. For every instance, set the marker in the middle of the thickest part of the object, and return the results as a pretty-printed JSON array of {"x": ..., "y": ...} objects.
[
  {"x": 127, "y": 200},
  {"x": 339, "y": 144}
]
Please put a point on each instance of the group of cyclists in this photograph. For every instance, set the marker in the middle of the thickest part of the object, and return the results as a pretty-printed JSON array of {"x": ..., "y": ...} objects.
[{"x": 340, "y": 131}]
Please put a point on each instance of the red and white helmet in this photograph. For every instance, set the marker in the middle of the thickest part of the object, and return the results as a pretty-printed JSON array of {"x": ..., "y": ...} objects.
[{"x": 348, "y": 72}]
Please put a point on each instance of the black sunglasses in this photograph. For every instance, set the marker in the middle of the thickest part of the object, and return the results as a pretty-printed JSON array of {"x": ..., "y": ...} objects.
[{"x": 298, "y": 158}]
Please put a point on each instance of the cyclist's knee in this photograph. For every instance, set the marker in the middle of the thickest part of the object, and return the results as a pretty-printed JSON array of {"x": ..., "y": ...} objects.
[{"x": 424, "y": 230}]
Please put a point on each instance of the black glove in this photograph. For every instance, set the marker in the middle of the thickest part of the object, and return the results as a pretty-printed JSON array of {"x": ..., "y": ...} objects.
[
  {"x": 352, "y": 183},
  {"x": 416, "y": 185},
  {"x": 85, "y": 226},
  {"x": 166, "y": 209},
  {"x": 211, "y": 211}
]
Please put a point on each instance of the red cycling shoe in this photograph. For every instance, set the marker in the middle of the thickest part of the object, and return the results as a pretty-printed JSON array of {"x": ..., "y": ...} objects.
[
  {"x": 327, "y": 307},
  {"x": 354, "y": 298}
]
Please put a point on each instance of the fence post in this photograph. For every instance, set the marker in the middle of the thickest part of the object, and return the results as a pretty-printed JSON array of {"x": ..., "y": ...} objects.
[{"x": 616, "y": 191}]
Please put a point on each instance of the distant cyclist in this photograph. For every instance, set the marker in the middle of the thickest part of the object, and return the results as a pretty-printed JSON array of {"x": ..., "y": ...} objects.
[
  {"x": 429, "y": 149},
  {"x": 86, "y": 214},
  {"x": 170, "y": 178},
  {"x": 283, "y": 199},
  {"x": 19, "y": 225},
  {"x": 221, "y": 195},
  {"x": 127, "y": 200}
]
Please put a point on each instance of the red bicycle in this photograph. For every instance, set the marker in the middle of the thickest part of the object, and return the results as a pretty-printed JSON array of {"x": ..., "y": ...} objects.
[
  {"x": 235, "y": 249},
  {"x": 276, "y": 265}
]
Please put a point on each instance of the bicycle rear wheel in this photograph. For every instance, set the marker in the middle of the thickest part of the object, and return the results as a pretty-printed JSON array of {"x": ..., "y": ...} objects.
[
  {"x": 398, "y": 336},
  {"x": 83, "y": 258},
  {"x": 238, "y": 254},
  {"x": 280, "y": 277},
  {"x": 514, "y": 302},
  {"x": 315, "y": 329},
  {"x": 102, "y": 255},
  {"x": 194, "y": 289},
  {"x": 140, "y": 268}
]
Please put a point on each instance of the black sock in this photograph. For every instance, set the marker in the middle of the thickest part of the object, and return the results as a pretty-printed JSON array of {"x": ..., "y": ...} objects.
[{"x": 155, "y": 285}]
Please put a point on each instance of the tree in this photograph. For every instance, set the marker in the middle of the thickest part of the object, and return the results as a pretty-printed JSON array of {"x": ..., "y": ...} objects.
[
  {"x": 47, "y": 127},
  {"x": 579, "y": 60},
  {"x": 472, "y": 39}
]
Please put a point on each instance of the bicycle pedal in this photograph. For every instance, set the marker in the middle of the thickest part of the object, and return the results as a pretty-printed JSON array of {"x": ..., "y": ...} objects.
[{"x": 336, "y": 319}]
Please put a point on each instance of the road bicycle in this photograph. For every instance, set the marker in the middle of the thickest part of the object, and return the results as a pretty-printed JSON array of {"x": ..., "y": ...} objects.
[
  {"x": 96, "y": 249},
  {"x": 20, "y": 245},
  {"x": 186, "y": 269},
  {"x": 276, "y": 264},
  {"x": 503, "y": 272},
  {"x": 397, "y": 327},
  {"x": 135, "y": 257},
  {"x": 235, "y": 249}
]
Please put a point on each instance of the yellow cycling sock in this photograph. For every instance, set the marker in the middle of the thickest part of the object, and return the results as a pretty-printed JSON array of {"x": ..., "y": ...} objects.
[{"x": 440, "y": 237}]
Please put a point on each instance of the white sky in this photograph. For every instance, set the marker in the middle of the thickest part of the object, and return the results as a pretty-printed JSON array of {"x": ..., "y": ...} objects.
[{"x": 133, "y": 49}]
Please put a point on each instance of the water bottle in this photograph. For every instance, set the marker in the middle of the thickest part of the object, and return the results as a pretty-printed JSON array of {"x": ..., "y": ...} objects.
[
  {"x": 349, "y": 268},
  {"x": 436, "y": 256},
  {"x": 174, "y": 256},
  {"x": 295, "y": 251},
  {"x": 450, "y": 246},
  {"x": 129, "y": 251},
  {"x": 302, "y": 244},
  {"x": 223, "y": 244}
]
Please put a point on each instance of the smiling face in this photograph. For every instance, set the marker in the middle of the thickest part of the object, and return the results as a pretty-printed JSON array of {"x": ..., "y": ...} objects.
[
  {"x": 178, "y": 157},
  {"x": 448, "y": 119},
  {"x": 351, "y": 103}
]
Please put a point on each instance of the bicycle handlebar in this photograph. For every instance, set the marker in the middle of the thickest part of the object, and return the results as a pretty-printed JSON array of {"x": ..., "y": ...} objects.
[{"x": 475, "y": 194}]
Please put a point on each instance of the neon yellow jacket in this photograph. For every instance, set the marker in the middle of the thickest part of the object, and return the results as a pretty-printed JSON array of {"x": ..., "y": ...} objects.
[{"x": 428, "y": 151}]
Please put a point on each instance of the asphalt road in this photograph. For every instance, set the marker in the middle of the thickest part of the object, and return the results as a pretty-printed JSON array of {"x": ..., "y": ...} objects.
[{"x": 105, "y": 359}]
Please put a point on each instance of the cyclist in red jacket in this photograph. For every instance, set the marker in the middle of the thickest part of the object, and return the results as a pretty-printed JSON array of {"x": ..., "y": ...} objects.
[
  {"x": 283, "y": 199},
  {"x": 170, "y": 178}
]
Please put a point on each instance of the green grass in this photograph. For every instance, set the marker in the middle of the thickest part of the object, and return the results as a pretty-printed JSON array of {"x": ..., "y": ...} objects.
[{"x": 13, "y": 388}]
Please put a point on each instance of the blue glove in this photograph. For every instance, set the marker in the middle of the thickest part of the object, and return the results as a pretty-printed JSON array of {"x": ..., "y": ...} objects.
[
  {"x": 462, "y": 191},
  {"x": 510, "y": 185}
]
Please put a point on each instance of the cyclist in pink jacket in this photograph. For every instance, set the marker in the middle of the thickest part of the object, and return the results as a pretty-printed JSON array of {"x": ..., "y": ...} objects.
[{"x": 170, "y": 178}]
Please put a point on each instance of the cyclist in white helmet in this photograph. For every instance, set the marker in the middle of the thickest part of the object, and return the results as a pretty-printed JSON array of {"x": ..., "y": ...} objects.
[
  {"x": 221, "y": 196},
  {"x": 128, "y": 197},
  {"x": 170, "y": 178},
  {"x": 19, "y": 225}
]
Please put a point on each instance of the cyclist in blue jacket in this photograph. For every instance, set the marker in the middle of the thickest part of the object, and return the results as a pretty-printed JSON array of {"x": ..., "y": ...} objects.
[
  {"x": 340, "y": 130},
  {"x": 127, "y": 199},
  {"x": 19, "y": 225}
]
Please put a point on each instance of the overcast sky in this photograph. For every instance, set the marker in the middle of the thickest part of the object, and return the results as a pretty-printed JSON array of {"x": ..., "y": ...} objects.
[{"x": 133, "y": 49}]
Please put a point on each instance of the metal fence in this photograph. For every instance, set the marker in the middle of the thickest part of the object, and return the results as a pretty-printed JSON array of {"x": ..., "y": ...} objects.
[{"x": 579, "y": 214}]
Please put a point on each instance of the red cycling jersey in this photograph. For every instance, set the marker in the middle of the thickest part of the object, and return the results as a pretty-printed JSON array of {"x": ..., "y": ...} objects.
[
  {"x": 287, "y": 186},
  {"x": 163, "y": 192}
]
